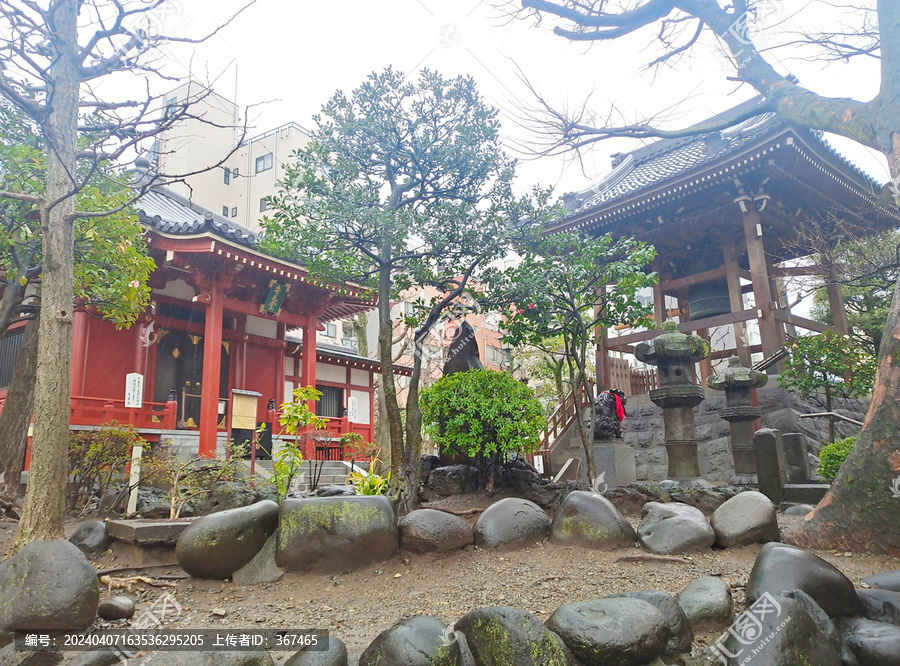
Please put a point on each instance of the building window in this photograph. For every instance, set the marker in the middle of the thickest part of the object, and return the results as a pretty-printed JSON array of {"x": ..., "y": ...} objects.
[
  {"x": 331, "y": 404},
  {"x": 227, "y": 176},
  {"x": 264, "y": 204},
  {"x": 264, "y": 163},
  {"x": 330, "y": 331},
  {"x": 224, "y": 211},
  {"x": 171, "y": 107},
  {"x": 234, "y": 212},
  {"x": 9, "y": 352},
  {"x": 498, "y": 356}
]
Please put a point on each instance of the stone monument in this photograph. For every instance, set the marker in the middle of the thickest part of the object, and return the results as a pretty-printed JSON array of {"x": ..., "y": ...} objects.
[
  {"x": 463, "y": 353},
  {"x": 674, "y": 354},
  {"x": 737, "y": 382}
]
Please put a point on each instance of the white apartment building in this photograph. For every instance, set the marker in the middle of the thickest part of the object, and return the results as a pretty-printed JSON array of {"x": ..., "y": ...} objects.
[{"x": 231, "y": 176}]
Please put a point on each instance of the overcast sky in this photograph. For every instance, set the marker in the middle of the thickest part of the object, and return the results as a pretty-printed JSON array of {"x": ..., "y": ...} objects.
[{"x": 294, "y": 55}]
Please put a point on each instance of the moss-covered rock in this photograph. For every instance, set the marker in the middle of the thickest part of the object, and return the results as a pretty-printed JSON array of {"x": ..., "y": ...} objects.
[
  {"x": 590, "y": 520},
  {"x": 511, "y": 523},
  {"x": 46, "y": 586},
  {"x": 618, "y": 631},
  {"x": 217, "y": 545},
  {"x": 505, "y": 636},
  {"x": 335, "y": 533},
  {"x": 416, "y": 641}
]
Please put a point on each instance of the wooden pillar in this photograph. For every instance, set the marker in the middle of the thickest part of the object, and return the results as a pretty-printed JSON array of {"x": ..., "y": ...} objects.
[
  {"x": 705, "y": 363},
  {"x": 308, "y": 358},
  {"x": 601, "y": 353},
  {"x": 80, "y": 343},
  {"x": 212, "y": 367},
  {"x": 278, "y": 392},
  {"x": 759, "y": 275},
  {"x": 779, "y": 299},
  {"x": 659, "y": 303},
  {"x": 835, "y": 298},
  {"x": 736, "y": 298}
]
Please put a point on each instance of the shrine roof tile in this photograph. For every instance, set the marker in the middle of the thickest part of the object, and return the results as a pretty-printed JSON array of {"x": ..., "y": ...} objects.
[{"x": 666, "y": 159}]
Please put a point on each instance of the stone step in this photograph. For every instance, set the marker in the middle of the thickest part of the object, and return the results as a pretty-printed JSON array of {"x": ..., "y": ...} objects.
[{"x": 805, "y": 493}]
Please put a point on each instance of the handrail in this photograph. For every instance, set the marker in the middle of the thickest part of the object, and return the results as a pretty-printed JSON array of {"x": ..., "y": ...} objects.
[{"x": 834, "y": 415}]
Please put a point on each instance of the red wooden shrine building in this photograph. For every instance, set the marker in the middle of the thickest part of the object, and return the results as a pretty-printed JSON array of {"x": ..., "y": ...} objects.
[{"x": 230, "y": 332}]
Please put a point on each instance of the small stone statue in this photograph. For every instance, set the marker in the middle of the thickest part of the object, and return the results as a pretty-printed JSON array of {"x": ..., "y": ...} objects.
[{"x": 609, "y": 408}]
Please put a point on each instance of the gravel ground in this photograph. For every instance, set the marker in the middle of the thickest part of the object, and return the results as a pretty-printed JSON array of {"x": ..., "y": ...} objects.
[{"x": 358, "y": 606}]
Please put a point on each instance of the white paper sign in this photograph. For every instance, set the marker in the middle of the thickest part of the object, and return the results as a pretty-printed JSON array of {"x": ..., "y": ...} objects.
[
  {"x": 539, "y": 464},
  {"x": 352, "y": 409},
  {"x": 134, "y": 390}
]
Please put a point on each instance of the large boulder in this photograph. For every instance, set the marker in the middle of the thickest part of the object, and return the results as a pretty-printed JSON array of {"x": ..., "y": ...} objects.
[
  {"x": 91, "y": 537},
  {"x": 880, "y": 605},
  {"x": 46, "y": 586},
  {"x": 674, "y": 528},
  {"x": 425, "y": 530},
  {"x": 334, "y": 654},
  {"x": 592, "y": 521},
  {"x": 782, "y": 631},
  {"x": 217, "y": 545},
  {"x": 511, "y": 523},
  {"x": 416, "y": 641},
  {"x": 623, "y": 631},
  {"x": 336, "y": 533},
  {"x": 512, "y": 637},
  {"x": 748, "y": 517},
  {"x": 889, "y": 580},
  {"x": 680, "y": 634},
  {"x": 780, "y": 568},
  {"x": 454, "y": 480},
  {"x": 707, "y": 603},
  {"x": 873, "y": 643}
]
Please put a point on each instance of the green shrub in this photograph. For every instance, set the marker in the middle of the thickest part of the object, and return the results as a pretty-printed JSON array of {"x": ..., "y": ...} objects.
[
  {"x": 482, "y": 413},
  {"x": 833, "y": 455}
]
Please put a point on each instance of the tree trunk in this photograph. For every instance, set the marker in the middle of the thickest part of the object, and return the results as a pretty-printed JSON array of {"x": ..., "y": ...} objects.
[
  {"x": 388, "y": 385},
  {"x": 16, "y": 416},
  {"x": 44, "y": 509}
]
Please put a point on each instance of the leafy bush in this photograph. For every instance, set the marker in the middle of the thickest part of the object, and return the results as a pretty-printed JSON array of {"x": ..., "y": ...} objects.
[
  {"x": 828, "y": 362},
  {"x": 371, "y": 483},
  {"x": 97, "y": 459},
  {"x": 833, "y": 455},
  {"x": 482, "y": 413},
  {"x": 288, "y": 463}
]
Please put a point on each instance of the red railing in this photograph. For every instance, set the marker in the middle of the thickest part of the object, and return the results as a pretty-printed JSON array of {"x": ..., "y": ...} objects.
[
  {"x": 97, "y": 411},
  {"x": 87, "y": 411}
]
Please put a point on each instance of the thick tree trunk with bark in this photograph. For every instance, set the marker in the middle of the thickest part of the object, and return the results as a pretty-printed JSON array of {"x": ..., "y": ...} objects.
[
  {"x": 44, "y": 509},
  {"x": 16, "y": 416},
  {"x": 861, "y": 511}
]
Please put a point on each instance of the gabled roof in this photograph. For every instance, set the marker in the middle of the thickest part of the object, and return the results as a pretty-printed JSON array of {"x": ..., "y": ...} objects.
[
  {"x": 170, "y": 213},
  {"x": 648, "y": 173}
]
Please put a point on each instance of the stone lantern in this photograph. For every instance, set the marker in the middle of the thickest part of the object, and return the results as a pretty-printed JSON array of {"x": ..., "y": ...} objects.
[
  {"x": 737, "y": 382},
  {"x": 674, "y": 354}
]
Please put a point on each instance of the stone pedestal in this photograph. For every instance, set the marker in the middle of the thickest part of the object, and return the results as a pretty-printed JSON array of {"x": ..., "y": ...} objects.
[
  {"x": 737, "y": 382},
  {"x": 615, "y": 461},
  {"x": 674, "y": 353},
  {"x": 770, "y": 465}
]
